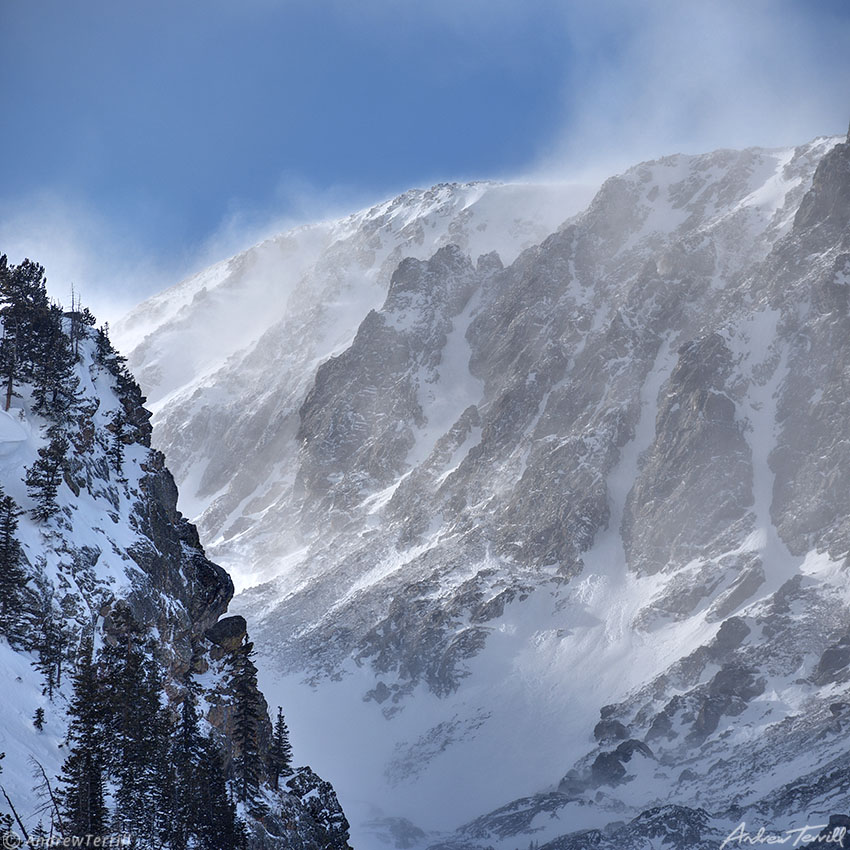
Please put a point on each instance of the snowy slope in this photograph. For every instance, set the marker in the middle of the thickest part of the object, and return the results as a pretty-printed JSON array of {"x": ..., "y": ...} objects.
[{"x": 509, "y": 498}]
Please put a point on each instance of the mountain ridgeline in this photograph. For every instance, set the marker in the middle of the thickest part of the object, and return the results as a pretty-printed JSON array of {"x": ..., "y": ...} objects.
[
  {"x": 131, "y": 707},
  {"x": 547, "y": 534}
]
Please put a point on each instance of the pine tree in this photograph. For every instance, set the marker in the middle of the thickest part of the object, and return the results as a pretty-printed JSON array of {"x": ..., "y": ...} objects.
[
  {"x": 83, "y": 772},
  {"x": 9, "y": 360},
  {"x": 215, "y": 818},
  {"x": 280, "y": 755},
  {"x": 105, "y": 353},
  {"x": 5, "y": 820},
  {"x": 115, "y": 449},
  {"x": 55, "y": 383},
  {"x": 185, "y": 761},
  {"x": 137, "y": 731},
  {"x": 13, "y": 577},
  {"x": 24, "y": 308},
  {"x": 38, "y": 719},
  {"x": 49, "y": 635},
  {"x": 45, "y": 475},
  {"x": 247, "y": 720},
  {"x": 39, "y": 836},
  {"x": 201, "y": 812}
]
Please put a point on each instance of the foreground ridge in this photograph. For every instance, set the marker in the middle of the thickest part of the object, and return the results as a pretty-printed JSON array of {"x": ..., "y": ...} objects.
[{"x": 131, "y": 698}]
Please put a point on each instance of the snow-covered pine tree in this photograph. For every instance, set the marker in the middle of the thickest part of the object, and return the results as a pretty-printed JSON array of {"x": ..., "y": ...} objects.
[
  {"x": 55, "y": 383},
  {"x": 215, "y": 818},
  {"x": 45, "y": 475},
  {"x": 5, "y": 820},
  {"x": 48, "y": 636},
  {"x": 137, "y": 728},
  {"x": 115, "y": 449},
  {"x": 202, "y": 814},
  {"x": 280, "y": 753},
  {"x": 185, "y": 758},
  {"x": 105, "y": 353},
  {"x": 84, "y": 770},
  {"x": 13, "y": 577},
  {"x": 247, "y": 720},
  {"x": 8, "y": 361},
  {"x": 24, "y": 309}
]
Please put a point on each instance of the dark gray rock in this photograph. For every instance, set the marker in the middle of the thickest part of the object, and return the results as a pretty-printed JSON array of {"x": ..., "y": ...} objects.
[
  {"x": 832, "y": 662},
  {"x": 607, "y": 769},
  {"x": 610, "y": 730},
  {"x": 319, "y": 799},
  {"x": 228, "y": 633}
]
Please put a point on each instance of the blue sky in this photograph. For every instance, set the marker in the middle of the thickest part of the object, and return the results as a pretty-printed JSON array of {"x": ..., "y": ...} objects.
[{"x": 143, "y": 140}]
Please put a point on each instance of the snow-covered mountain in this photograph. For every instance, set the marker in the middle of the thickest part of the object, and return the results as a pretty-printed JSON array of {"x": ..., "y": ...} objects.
[{"x": 556, "y": 533}]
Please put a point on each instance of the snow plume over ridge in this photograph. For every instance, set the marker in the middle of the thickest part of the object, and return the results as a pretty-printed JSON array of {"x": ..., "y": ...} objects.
[
  {"x": 298, "y": 299},
  {"x": 665, "y": 85}
]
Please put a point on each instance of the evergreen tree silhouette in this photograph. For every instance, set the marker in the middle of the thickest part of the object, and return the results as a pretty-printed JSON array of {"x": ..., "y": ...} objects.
[
  {"x": 280, "y": 754},
  {"x": 45, "y": 475},
  {"x": 83, "y": 773},
  {"x": 13, "y": 577}
]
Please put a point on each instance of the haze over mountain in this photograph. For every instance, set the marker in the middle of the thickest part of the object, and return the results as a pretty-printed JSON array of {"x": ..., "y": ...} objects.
[{"x": 539, "y": 502}]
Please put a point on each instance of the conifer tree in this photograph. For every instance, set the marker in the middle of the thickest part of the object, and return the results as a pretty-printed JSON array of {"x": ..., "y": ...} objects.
[
  {"x": 115, "y": 449},
  {"x": 202, "y": 814},
  {"x": 24, "y": 308},
  {"x": 105, "y": 353},
  {"x": 5, "y": 820},
  {"x": 55, "y": 383},
  {"x": 45, "y": 475},
  {"x": 49, "y": 636},
  {"x": 247, "y": 719},
  {"x": 8, "y": 360},
  {"x": 13, "y": 577},
  {"x": 38, "y": 719},
  {"x": 216, "y": 823},
  {"x": 83, "y": 772},
  {"x": 280, "y": 754},
  {"x": 185, "y": 761},
  {"x": 137, "y": 731},
  {"x": 39, "y": 837}
]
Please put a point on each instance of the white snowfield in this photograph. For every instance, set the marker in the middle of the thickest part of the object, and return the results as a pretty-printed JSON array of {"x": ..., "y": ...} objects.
[{"x": 228, "y": 359}]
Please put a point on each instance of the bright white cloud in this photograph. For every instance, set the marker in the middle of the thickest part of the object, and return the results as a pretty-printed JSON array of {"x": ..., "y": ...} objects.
[
  {"x": 78, "y": 247},
  {"x": 662, "y": 76}
]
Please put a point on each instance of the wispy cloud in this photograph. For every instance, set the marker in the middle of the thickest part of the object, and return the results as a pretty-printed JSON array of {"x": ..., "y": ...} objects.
[
  {"x": 79, "y": 247},
  {"x": 665, "y": 76},
  {"x": 639, "y": 80},
  {"x": 114, "y": 270}
]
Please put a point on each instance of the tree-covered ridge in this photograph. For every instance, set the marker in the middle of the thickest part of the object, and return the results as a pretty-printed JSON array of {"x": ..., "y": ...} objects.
[{"x": 160, "y": 729}]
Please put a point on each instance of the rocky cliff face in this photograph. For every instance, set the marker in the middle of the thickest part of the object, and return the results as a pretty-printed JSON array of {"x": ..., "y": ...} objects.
[
  {"x": 118, "y": 544},
  {"x": 574, "y": 522}
]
